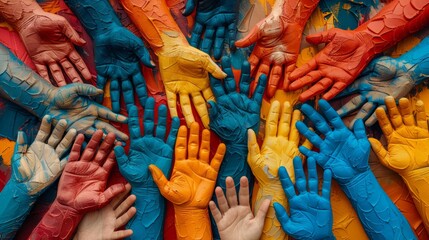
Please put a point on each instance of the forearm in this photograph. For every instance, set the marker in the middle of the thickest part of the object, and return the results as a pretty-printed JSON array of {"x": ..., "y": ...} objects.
[
  {"x": 380, "y": 218},
  {"x": 295, "y": 11},
  {"x": 19, "y": 84},
  {"x": 417, "y": 61},
  {"x": 149, "y": 219},
  {"x": 96, "y": 16},
  {"x": 394, "y": 22},
  {"x": 17, "y": 12},
  {"x": 192, "y": 223},
  {"x": 418, "y": 184},
  {"x": 14, "y": 208},
  {"x": 60, "y": 222},
  {"x": 234, "y": 165},
  {"x": 155, "y": 23}
]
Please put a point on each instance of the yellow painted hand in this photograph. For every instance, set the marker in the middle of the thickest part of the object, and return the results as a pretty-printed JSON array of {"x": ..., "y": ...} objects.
[
  {"x": 279, "y": 148},
  {"x": 184, "y": 71},
  {"x": 407, "y": 151}
]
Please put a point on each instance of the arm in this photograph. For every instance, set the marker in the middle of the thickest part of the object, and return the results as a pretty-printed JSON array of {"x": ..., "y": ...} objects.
[
  {"x": 34, "y": 168},
  {"x": 278, "y": 41},
  {"x": 407, "y": 150},
  {"x": 345, "y": 154},
  {"x": 147, "y": 149}
]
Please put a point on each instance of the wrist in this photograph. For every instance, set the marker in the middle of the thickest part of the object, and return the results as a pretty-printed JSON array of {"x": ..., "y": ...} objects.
[
  {"x": 351, "y": 186},
  {"x": 416, "y": 177},
  {"x": 28, "y": 13},
  {"x": 192, "y": 223}
]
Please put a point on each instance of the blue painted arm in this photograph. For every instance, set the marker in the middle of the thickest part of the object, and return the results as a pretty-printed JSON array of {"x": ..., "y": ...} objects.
[
  {"x": 118, "y": 52},
  {"x": 345, "y": 154},
  {"x": 150, "y": 148}
]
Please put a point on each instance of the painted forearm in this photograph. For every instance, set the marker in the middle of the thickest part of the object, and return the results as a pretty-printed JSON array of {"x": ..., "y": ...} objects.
[
  {"x": 380, "y": 218},
  {"x": 17, "y": 12},
  {"x": 15, "y": 205},
  {"x": 155, "y": 23},
  {"x": 417, "y": 61},
  {"x": 195, "y": 227},
  {"x": 149, "y": 219},
  {"x": 60, "y": 222},
  {"x": 95, "y": 15},
  {"x": 418, "y": 184},
  {"x": 19, "y": 84},
  {"x": 394, "y": 22},
  {"x": 295, "y": 11}
]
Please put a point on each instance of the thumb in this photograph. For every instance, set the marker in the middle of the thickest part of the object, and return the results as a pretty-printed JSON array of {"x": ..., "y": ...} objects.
[
  {"x": 380, "y": 151},
  {"x": 189, "y": 7},
  {"x": 71, "y": 34},
  {"x": 212, "y": 67},
  {"x": 159, "y": 179},
  {"x": 21, "y": 143},
  {"x": 262, "y": 211},
  {"x": 251, "y": 38},
  {"x": 281, "y": 214},
  {"x": 213, "y": 109},
  {"x": 322, "y": 37},
  {"x": 253, "y": 148},
  {"x": 86, "y": 90}
]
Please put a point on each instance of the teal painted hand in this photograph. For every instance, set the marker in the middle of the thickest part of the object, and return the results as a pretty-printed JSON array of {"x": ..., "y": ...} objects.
[
  {"x": 342, "y": 151},
  {"x": 118, "y": 53},
  {"x": 310, "y": 213}
]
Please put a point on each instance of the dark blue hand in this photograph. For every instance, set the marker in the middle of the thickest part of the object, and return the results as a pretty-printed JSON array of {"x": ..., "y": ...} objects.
[{"x": 310, "y": 214}]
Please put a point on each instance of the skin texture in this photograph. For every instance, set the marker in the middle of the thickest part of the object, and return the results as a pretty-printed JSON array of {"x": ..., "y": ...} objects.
[
  {"x": 310, "y": 213},
  {"x": 234, "y": 217},
  {"x": 118, "y": 52},
  {"x": 277, "y": 40},
  {"x": 347, "y": 53},
  {"x": 407, "y": 148},
  {"x": 82, "y": 187},
  {"x": 151, "y": 148},
  {"x": 184, "y": 69},
  {"x": 34, "y": 169},
  {"x": 49, "y": 40},
  {"x": 105, "y": 223},
  {"x": 73, "y": 102},
  {"x": 345, "y": 154},
  {"x": 215, "y": 21},
  {"x": 386, "y": 76},
  {"x": 280, "y": 146},
  {"x": 191, "y": 183}
]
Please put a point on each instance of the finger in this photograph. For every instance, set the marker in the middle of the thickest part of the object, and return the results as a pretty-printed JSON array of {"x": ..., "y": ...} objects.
[
  {"x": 231, "y": 194},
  {"x": 123, "y": 206},
  {"x": 232, "y": 34},
  {"x": 57, "y": 74},
  {"x": 148, "y": 118},
  {"x": 326, "y": 187},
  {"x": 110, "y": 162},
  {"x": 310, "y": 135},
  {"x": 105, "y": 148},
  {"x": 218, "y": 44},
  {"x": 272, "y": 120},
  {"x": 316, "y": 89},
  {"x": 84, "y": 90},
  {"x": 205, "y": 146},
  {"x": 107, "y": 128},
  {"x": 313, "y": 181},
  {"x": 273, "y": 82},
  {"x": 294, "y": 134},
  {"x": 371, "y": 120},
  {"x": 322, "y": 37},
  {"x": 406, "y": 112},
  {"x": 421, "y": 118},
  {"x": 128, "y": 93},
  {"x": 351, "y": 105},
  {"x": 110, "y": 193},
  {"x": 201, "y": 107},
  {"x": 285, "y": 124},
  {"x": 254, "y": 62},
  {"x": 164, "y": 185},
  {"x": 215, "y": 212},
  {"x": 171, "y": 102},
  {"x": 395, "y": 116},
  {"x": 181, "y": 143},
  {"x": 384, "y": 122},
  {"x": 207, "y": 43},
  {"x": 121, "y": 158},
  {"x": 107, "y": 114},
  {"x": 57, "y": 133},
  {"x": 259, "y": 92},
  {"x": 317, "y": 119},
  {"x": 185, "y": 103},
  {"x": 253, "y": 148},
  {"x": 331, "y": 115},
  {"x": 217, "y": 87},
  {"x": 251, "y": 38},
  {"x": 243, "y": 194},
  {"x": 193, "y": 142},
  {"x": 366, "y": 110},
  {"x": 161, "y": 127},
  {"x": 300, "y": 180},
  {"x": 189, "y": 7},
  {"x": 175, "y": 124},
  {"x": 21, "y": 142},
  {"x": 308, "y": 153},
  {"x": 92, "y": 146},
  {"x": 140, "y": 86},
  {"x": 221, "y": 200},
  {"x": 101, "y": 84},
  {"x": 121, "y": 197},
  {"x": 281, "y": 215},
  {"x": 115, "y": 95},
  {"x": 44, "y": 130},
  {"x": 335, "y": 90},
  {"x": 121, "y": 234},
  {"x": 301, "y": 72},
  {"x": 78, "y": 62},
  {"x": 197, "y": 31},
  {"x": 217, "y": 159},
  {"x": 126, "y": 217},
  {"x": 208, "y": 94},
  {"x": 286, "y": 183},
  {"x": 359, "y": 129},
  {"x": 77, "y": 146},
  {"x": 66, "y": 143},
  {"x": 229, "y": 80},
  {"x": 70, "y": 71},
  {"x": 42, "y": 70},
  {"x": 133, "y": 122},
  {"x": 245, "y": 78}
]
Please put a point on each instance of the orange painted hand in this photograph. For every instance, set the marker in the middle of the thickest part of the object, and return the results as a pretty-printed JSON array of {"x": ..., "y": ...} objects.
[
  {"x": 407, "y": 151},
  {"x": 276, "y": 50},
  {"x": 184, "y": 71},
  {"x": 192, "y": 182},
  {"x": 344, "y": 57},
  {"x": 49, "y": 40},
  {"x": 279, "y": 148}
]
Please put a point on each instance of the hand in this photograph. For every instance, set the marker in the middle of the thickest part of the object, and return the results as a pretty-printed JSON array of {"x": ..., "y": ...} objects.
[
  {"x": 73, "y": 103},
  {"x": 82, "y": 186},
  {"x": 148, "y": 149},
  {"x": 184, "y": 71},
  {"x": 342, "y": 151},
  {"x": 218, "y": 20},
  {"x": 235, "y": 112},
  {"x": 384, "y": 76},
  {"x": 277, "y": 45},
  {"x": 193, "y": 179},
  {"x": 310, "y": 214},
  {"x": 407, "y": 137},
  {"x": 49, "y": 40},
  {"x": 105, "y": 223},
  {"x": 38, "y": 166},
  {"x": 234, "y": 218},
  {"x": 344, "y": 57},
  {"x": 118, "y": 53}
]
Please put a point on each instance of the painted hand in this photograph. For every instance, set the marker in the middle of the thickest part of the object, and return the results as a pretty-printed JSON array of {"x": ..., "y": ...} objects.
[
  {"x": 148, "y": 149},
  {"x": 217, "y": 20},
  {"x": 184, "y": 71},
  {"x": 344, "y": 57},
  {"x": 234, "y": 218},
  {"x": 118, "y": 53},
  {"x": 72, "y": 102},
  {"x": 310, "y": 213},
  {"x": 277, "y": 45},
  {"x": 82, "y": 187},
  {"x": 342, "y": 151},
  {"x": 235, "y": 112},
  {"x": 49, "y": 40},
  {"x": 384, "y": 76},
  {"x": 105, "y": 223},
  {"x": 36, "y": 167}
]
